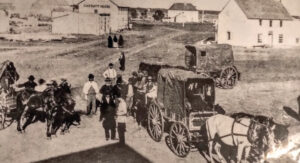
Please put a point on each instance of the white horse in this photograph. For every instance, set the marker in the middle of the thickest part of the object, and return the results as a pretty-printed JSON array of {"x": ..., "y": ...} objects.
[{"x": 240, "y": 134}]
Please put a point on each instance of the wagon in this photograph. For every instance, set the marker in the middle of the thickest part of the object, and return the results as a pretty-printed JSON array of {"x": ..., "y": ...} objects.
[
  {"x": 8, "y": 76},
  {"x": 184, "y": 101},
  {"x": 215, "y": 60}
]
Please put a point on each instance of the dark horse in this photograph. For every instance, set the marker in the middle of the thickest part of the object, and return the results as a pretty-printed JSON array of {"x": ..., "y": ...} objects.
[
  {"x": 66, "y": 105},
  {"x": 28, "y": 102}
]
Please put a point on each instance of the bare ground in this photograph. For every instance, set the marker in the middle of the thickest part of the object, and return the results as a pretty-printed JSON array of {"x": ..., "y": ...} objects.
[{"x": 261, "y": 91}]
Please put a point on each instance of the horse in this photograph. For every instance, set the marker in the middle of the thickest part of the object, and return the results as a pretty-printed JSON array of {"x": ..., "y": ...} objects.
[
  {"x": 280, "y": 132},
  {"x": 27, "y": 103},
  {"x": 241, "y": 134},
  {"x": 66, "y": 105}
]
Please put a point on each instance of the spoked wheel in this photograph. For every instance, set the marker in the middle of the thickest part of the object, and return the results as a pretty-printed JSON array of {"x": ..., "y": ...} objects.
[
  {"x": 180, "y": 139},
  {"x": 5, "y": 120},
  {"x": 155, "y": 123},
  {"x": 228, "y": 78}
]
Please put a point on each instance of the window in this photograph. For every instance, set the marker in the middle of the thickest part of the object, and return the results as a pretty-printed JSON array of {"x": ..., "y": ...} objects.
[
  {"x": 271, "y": 23},
  {"x": 280, "y": 40},
  {"x": 228, "y": 35},
  {"x": 260, "y": 22},
  {"x": 297, "y": 40},
  {"x": 203, "y": 53},
  {"x": 259, "y": 38},
  {"x": 280, "y": 23},
  {"x": 96, "y": 11}
]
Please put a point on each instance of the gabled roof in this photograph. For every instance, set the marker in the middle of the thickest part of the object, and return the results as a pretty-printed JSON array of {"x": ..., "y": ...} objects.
[
  {"x": 264, "y": 9},
  {"x": 39, "y": 4},
  {"x": 183, "y": 7},
  {"x": 293, "y": 6}
]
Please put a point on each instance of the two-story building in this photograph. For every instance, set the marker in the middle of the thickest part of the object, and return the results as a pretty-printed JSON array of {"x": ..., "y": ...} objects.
[
  {"x": 256, "y": 23},
  {"x": 183, "y": 13}
]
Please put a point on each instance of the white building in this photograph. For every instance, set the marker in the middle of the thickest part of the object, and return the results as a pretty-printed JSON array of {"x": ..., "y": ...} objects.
[
  {"x": 256, "y": 23},
  {"x": 4, "y": 21},
  {"x": 183, "y": 13},
  {"x": 45, "y": 7}
]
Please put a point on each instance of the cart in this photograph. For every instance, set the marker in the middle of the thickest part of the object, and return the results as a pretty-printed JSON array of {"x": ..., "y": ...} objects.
[
  {"x": 184, "y": 101},
  {"x": 215, "y": 60},
  {"x": 7, "y": 105}
]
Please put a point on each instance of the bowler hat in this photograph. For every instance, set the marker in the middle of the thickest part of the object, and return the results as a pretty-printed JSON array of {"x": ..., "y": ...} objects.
[
  {"x": 91, "y": 76},
  {"x": 31, "y": 78}
]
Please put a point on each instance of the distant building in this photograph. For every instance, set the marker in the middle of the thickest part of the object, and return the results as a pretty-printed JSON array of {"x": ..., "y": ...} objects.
[
  {"x": 92, "y": 17},
  {"x": 183, "y": 13},
  {"x": 4, "y": 21},
  {"x": 257, "y": 23},
  {"x": 45, "y": 7}
]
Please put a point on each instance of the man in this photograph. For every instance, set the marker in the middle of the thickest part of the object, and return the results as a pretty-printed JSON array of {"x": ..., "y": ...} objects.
[
  {"x": 120, "y": 88},
  {"x": 151, "y": 90},
  {"x": 108, "y": 113},
  {"x": 110, "y": 72},
  {"x": 121, "y": 119},
  {"x": 122, "y": 61},
  {"x": 90, "y": 91},
  {"x": 106, "y": 89},
  {"x": 42, "y": 86},
  {"x": 130, "y": 92},
  {"x": 29, "y": 85}
]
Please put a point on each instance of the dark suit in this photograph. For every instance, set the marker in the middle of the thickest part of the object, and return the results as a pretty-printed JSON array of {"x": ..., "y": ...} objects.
[{"x": 108, "y": 113}]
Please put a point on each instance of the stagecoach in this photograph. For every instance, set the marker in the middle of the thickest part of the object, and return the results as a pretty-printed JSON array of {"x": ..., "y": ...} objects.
[
  {"x": 8, "y": 76},
  {"x": 214, "y": 60},
  {"x": 184, "y": 101}
]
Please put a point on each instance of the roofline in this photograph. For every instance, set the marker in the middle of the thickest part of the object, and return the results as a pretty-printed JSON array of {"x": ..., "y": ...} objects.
[
  {"x": 117, "y": 4},
  {"x": 225, "y": 5}
]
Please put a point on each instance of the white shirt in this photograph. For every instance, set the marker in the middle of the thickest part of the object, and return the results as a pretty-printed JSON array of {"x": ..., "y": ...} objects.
[
  {"x": 121, "y": 111},
  {"x": 110, "y": 73},
  {"x": 130, "y": 91},
  {"x": 88, "y": 85}
]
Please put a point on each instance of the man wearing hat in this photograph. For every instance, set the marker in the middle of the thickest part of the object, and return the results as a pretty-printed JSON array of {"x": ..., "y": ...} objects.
[
  {"x": 90, "y": 89},
  {"x": 151, "y": 89},
  {"x": 29, "y": 85},
  {"x": 42, "y": 86},
  {"x": 110, "y": 72},
  {"x": 106, "y": 89}
]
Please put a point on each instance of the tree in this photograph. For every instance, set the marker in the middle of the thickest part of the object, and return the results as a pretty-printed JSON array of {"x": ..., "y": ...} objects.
[
  {"x": 158, "y": 15},
  {"x": 134, "y": 13}
]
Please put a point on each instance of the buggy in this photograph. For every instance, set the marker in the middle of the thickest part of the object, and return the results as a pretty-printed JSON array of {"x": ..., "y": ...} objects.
[
  {"x": 215, "y": 60},
  {"x": 184, "y": 101}
]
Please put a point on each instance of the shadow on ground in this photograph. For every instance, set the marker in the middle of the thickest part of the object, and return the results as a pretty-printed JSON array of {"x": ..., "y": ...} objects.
[{"x": 110, "y": 153}]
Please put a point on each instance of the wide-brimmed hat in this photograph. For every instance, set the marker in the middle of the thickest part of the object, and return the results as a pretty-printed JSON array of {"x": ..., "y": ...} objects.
[
  {"x": 110, "y": 64},
  {"x": 91, "y": 76},
  {"x": 42, "y": 81},
  {"x": 31, "y": 77}
]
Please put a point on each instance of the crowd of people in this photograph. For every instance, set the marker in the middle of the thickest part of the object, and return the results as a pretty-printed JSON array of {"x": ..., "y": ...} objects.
[{"x": 119, "y": 99}]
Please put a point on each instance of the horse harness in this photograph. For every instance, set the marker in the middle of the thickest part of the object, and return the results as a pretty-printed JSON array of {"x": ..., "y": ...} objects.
[{"x": 250, "y": 133}]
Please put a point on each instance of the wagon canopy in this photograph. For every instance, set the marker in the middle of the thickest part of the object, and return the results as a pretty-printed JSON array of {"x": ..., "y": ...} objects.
[
  {"x": 9, "y": 66},
  {"x": 172, "y": 85},
  {"x": 213, "y": 57}
]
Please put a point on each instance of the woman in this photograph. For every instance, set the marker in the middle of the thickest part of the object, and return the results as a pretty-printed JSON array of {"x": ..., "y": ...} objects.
[{"x": 122, "y": 61}]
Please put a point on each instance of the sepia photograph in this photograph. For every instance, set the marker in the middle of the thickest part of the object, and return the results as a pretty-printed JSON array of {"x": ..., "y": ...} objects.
[{"x": 150, "y": 81}]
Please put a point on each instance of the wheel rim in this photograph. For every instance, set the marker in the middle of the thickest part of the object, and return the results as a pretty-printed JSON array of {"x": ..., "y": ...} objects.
[
  {"x": 155, "y": 123},
  {"x": 228, "y": 77},
  {"x": 179, "y": 139},
  {"x": 2, "y": 119}
]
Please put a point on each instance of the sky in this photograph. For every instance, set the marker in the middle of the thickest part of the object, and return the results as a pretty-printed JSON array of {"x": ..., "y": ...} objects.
[{"x": 293, "y": 6}]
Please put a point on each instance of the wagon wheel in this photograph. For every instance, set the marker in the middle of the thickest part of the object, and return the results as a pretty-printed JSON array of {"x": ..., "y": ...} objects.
[
  {"x": 180, "y": 139},
  {"x": 4, "y": 120},
  {"x": 228, "y": 77},
  {"x": 155, "y": 122}
]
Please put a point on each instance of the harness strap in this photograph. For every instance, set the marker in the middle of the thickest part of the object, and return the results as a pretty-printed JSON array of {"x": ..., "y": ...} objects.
[{"x": 232, "y": 133}]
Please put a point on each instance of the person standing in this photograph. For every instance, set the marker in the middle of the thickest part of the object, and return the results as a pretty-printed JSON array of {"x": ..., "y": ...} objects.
[
  {"x": 106, "y": 89},
  {"x": 122, "y": 61},
  {"x": 121, "y": 119},
  {"x": 109, "y": 42},
  {"x": 90, "y": 91},
  {"x": 110, "y": 72},
  {"x": 115, "y": 41},
  {"x": 29, "y": 85},
  {"x": 107, "y": 115},
  {"x": 121, "y": 41}
]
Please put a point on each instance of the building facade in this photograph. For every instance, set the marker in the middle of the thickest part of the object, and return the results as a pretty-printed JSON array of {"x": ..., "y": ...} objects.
[
  {"x": 256, "y": 23},
  {"x": 183, "y": 13}
]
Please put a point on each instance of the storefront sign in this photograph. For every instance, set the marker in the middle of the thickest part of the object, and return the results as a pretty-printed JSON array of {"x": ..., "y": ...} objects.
[{"x": 96, "y": 6}]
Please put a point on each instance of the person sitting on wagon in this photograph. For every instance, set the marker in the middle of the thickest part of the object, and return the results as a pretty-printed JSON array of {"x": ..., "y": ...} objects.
[
  {"x": 151, "y": 89},
  {"x": 29, "y": 85}
]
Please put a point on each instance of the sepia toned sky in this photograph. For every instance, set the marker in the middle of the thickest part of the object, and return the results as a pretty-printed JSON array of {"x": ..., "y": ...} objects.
[{"x": 293, "y": 6}]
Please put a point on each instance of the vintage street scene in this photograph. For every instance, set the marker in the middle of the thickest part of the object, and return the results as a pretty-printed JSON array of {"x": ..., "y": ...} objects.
[{"x": 154, "y": 81}]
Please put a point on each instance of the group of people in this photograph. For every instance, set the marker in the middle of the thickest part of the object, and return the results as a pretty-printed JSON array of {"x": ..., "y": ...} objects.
[
  {"x": 118, "y": 99},
  {"x": 114, "y": 42}
]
